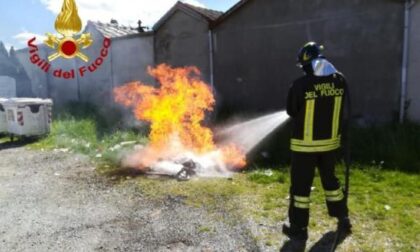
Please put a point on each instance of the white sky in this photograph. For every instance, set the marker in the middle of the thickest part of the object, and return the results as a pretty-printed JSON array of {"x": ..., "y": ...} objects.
[
  {"x": 127, "y": 12},
  {"x": 21, "y": 20}
]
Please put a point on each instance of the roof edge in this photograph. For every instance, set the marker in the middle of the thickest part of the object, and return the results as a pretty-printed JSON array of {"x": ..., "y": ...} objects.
[
  {"x": 229, "y": 12},
  {"x": 143, "y": 34},
  {"x": 183, "y": 7},
  {"x": 94, "y": 25}
]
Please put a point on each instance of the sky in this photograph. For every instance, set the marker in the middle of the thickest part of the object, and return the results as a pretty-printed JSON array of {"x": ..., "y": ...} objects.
[{"x": 21, "y": 20}]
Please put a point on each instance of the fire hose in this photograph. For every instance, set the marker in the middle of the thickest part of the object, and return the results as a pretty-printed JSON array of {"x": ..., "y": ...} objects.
[{"x": 347, "y": 162}]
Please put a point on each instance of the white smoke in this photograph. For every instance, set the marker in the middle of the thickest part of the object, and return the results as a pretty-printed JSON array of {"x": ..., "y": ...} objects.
[
  {"x": 245, "y": 134},
  {"x": 171, "y": 160}
]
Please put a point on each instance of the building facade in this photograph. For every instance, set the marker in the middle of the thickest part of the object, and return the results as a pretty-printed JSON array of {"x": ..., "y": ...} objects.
[
  {"x": 256, "y": 44},
  {"x": 182, "y": 38},
  {"x": 413, "y": 88},
  {"x": 127, "y": 58},
  {"x": 248, "y": 54}
]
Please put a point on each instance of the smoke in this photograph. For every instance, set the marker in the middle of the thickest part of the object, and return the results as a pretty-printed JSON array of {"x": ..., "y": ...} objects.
[
  {"x": 170, "y": 160},
  {"x": 245, "y": 134}
]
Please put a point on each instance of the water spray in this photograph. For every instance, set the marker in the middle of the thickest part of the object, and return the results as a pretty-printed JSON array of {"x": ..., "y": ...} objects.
[{"x": 248, "y": 134}]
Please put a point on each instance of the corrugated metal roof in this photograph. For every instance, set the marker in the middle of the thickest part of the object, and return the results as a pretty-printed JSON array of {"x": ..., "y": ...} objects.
[{"x": 112, "y": 30}]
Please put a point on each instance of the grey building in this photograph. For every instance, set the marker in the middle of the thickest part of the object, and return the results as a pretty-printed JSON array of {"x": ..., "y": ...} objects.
[
  {"x": 127, "y": 58},
  {"x": 248, "y": 54},
  {"x": 413, "y": 61},
  {"x": 256, "y": 42},
  {"x": 13, "y": 70},
  {"x": 182, "y": 38}
]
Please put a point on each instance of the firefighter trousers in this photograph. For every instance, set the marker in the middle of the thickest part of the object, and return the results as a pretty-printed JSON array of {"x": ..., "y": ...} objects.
[{"x": 302, "y": 175}]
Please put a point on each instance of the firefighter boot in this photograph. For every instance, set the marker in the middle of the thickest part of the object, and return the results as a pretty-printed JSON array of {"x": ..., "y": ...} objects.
[
  {"x": 297, "y": 236},
  {"x": 344, "y": 226},
  {"x": 343, "y": 230},
  {"x": 295, "y": 233}
]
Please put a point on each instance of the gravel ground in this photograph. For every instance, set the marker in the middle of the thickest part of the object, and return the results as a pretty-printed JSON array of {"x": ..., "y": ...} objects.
[{"x": 53, "y": 201}]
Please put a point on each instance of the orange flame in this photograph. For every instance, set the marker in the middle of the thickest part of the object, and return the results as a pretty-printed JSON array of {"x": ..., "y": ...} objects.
[
  {"x": 68, "y": 21},
  {"x": 176, "y": 110}
]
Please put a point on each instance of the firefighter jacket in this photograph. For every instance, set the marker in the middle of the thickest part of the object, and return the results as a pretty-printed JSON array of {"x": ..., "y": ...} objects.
[{"x": 316, "y": 105}]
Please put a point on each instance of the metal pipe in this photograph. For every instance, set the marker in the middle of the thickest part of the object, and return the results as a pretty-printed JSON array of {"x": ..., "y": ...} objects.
[
  {"x": 211, "y": 60},
  {"x": 403, "y": 97}
]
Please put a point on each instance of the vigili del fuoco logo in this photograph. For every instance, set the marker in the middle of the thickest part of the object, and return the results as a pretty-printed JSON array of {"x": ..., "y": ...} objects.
[{"x": 69, "y": 45}]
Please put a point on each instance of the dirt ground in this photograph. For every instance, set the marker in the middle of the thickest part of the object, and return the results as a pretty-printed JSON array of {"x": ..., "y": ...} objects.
[
  {"x": 57, "y": 201},
  {"x": 54, "y": 201}
]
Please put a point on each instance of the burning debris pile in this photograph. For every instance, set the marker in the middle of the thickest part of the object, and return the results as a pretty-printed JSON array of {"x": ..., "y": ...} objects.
[{"x": 179, "y": 143}]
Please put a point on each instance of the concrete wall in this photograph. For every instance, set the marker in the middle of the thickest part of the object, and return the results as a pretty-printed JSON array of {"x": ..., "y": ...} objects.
[
  {"x": 127, "y": 59},
  {"x": 59, "y": 89},
  {"x": 183, "y": 41},
  {"x": 130, "y": 59},
  {"x": 96, "y": 87},
  {"x": 38, "y": 79},
  {"x": 256, "y": 47},
  {"x": 7, "y": 86},
  {"x": 413, "y": 88},
  {"x": 10, "y": 66}
]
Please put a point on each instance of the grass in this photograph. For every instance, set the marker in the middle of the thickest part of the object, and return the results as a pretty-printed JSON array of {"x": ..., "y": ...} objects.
[
  {"x": 81, "y": 129},
  {"x": 384, "y": 200},
  {"x": 396, "y": 146},
  {"x": 80, "y": 136},
  {"x": 387, "y": 202},
  {"x": 384, "y": 205}
]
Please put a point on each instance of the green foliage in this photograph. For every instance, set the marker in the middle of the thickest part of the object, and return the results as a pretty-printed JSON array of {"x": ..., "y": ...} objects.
[
  {"x": 81, "y": 128},
  {"x": 391, "y": 146},
  {"x": 389, "y": 200},
  {"x": 384, "y": 205},
  {"x": 106, "y": 119},
  {"x": 267, "y": 176},
  {"x": 383, "y": 202}
]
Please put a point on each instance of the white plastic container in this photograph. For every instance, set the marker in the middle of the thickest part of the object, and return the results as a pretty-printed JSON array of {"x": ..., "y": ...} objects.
[
  {"x": 28, "y": 116},
  {"x": 3, "y": 121}
]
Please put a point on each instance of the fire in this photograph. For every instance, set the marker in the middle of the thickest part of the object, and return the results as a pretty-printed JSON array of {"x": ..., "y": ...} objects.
[
  {"x": 176, "y": 111},
  {"x": 68, "y": 21}
]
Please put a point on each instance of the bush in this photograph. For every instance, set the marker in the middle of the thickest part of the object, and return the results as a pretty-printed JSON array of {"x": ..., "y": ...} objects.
[
  {"x": 80, "y": 127},
  {"x": 107, "y": 119},
  {"x": 393, "y": 146}
]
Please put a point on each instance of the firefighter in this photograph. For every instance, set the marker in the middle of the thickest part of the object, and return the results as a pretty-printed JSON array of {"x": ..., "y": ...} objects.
[{"x": 316, "y": 105}]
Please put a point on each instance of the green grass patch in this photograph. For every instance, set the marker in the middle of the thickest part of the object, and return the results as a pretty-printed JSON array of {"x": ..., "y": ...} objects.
[
  {"x": 79, "y": 129},
  {"x": 394, "y": 146},
  {"x": 3, "y": 138},
  {"x": 205, "y": 229},
  {"x": 384, "y": 205},
  {"x": 390, "y": 201},
  {"x": 268, "y": 176},
  {"x": 384, "y": 193},
  {"x": 80, "y": 136}
]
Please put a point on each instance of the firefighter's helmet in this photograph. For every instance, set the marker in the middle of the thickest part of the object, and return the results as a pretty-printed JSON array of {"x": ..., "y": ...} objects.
[{"x": 309, "y": 52}]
